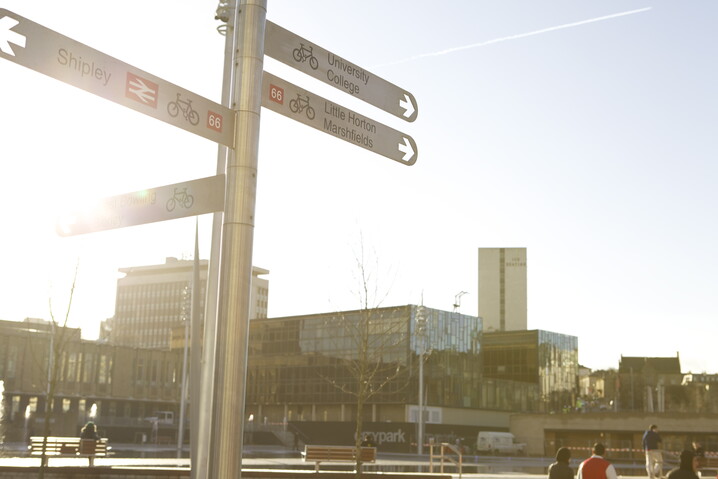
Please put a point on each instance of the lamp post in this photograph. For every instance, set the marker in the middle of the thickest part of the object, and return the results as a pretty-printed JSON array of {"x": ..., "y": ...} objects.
[
  {"x": 28, "y": 410},
  {"x": 457, "y": 300},
  {"x": 421, "y": 346},
  {"x": 2, "y": 411},
  {"x": 183, "y": 387}
]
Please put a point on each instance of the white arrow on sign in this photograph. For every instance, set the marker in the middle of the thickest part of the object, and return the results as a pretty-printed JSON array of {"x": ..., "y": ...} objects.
[
  {"x": 407, "y": 105},
  {"x": 7, "y": 36},
  {"x": 406, "y": 149}
]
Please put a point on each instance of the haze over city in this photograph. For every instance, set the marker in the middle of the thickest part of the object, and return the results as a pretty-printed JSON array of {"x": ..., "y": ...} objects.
[{"x": 584, "y": 132}]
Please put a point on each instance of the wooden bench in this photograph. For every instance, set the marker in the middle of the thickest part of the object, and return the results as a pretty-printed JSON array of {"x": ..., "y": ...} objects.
[
  {"x": 709, "y": 462},
  {"x": 69, "y": 447},
  {"x": 319, "y": 454}
]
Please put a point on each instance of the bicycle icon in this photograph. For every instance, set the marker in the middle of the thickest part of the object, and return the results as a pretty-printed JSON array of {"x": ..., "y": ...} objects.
[
  {"x": 180, "y": 197},
  {"x": 185, "y": 106},
  {"x": 302, "y": 53},
  {"x": 299, "y": 104}
]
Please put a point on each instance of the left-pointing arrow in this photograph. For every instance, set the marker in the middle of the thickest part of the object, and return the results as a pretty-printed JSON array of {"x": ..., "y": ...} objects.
[{"x": 7, "y": 36}]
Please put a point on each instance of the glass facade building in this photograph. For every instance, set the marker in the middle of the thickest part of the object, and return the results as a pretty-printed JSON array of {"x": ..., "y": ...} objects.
[
  {"x": 548, "y": 360},
  {"x": 308, "y": 367}
]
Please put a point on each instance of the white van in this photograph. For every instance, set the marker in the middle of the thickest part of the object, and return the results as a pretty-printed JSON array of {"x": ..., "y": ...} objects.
[
  {"x": 498, "y": 443},
  {"x": 162, "y": 417}
]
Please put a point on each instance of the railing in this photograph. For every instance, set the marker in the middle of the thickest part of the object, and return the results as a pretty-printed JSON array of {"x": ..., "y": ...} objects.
[
  {"x": 287, "y": 433},
  {"x": 447, "y": 454}
]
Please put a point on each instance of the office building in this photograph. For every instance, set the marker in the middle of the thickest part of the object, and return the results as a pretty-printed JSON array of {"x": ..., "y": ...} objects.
[
  {"x": 303, "y": 370},
  {"x": 545, "y": 359},
  {"x": 502, "y": 289},
  {"x": 118, "y": 387},
  {"x": 153, "y": 301}
]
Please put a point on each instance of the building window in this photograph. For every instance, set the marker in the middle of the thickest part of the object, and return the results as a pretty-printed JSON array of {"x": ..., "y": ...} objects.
[
  {"x": 11, "y": 361},
  {"x": 87, "y": 373},
  {"x": 102, "y": 370},
  {"x": 140, "y": 370}
]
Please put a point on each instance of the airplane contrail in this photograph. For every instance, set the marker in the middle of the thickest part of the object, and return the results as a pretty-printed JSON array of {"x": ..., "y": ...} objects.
[{"x": 520, "y": 35}]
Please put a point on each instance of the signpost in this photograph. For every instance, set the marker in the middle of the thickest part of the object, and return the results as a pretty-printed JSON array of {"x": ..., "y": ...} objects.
[
  {"x": 31, "y": 45},
  {"x": 43, "y": 50},
  {"x": 315, "y": 61},
  {"x": 291, "y": 101},
  {"x": 191, "y": 198}
]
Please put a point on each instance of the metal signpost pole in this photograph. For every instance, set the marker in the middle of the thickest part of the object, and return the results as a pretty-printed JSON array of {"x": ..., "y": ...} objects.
[
  {"x": 195, "y": 345},
  {"x": 202, "y": 416},
  {"x": 237, "y": 241}
]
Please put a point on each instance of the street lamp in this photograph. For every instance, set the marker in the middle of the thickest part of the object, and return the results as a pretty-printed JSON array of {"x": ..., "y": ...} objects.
[
  {"x": 457, "y": 300},
  {"x": 421, "y": 346},
  {"x": 28, "y": 410},
  {"x": 2, "y": 402}
]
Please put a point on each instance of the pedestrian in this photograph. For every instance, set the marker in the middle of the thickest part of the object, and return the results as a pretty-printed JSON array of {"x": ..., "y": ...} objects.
[
  {"x": 560, "y": 469},
  {"x": 89, "y": 431},
  {"x": 88, "y": 440},
  {"x": 652, "y": 447},
  {"x": 688, "y": 468},
  {"x": 596, "y": 467},
  {"x": 368, "y": 440}
]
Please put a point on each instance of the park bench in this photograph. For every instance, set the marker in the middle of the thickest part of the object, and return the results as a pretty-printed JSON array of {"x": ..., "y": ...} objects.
[
  {"x": 319, "y": 454},
  {"x": 69, "y": 447},
  {"x": 709, "y": 463}
]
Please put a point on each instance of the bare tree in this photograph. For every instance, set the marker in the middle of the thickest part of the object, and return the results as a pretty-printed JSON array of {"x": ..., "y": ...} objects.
[
  {"x": 59, "y": 337},
  {"x": 373, "y": 354}
]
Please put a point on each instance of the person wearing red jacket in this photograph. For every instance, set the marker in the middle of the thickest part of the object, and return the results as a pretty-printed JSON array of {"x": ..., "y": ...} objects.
[{"x": 596, "y": 467}]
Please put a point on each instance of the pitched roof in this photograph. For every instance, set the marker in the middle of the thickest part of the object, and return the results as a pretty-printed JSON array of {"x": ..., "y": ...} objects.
[{"x": 658, "y": 365}]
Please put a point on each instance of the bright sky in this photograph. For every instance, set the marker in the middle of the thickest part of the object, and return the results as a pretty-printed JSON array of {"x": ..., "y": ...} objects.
[{"x": 583, "y": 131}]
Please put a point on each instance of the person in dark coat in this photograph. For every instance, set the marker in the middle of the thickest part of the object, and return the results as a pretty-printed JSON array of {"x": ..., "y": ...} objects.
[
  {"x": 652, "y": 447},
  {"x": 88, "y": 437},
  {"x": 368, "y": 441},
  {"x": 560, "y": 469},
  {"x": 89, "y": 431},
  {"x": 688, "y": 468}
]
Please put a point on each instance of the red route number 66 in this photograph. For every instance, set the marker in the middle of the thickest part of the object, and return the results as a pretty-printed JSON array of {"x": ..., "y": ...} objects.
[
  {"x": 276, "y": 94},
  {"x": 214, "y": 121}
]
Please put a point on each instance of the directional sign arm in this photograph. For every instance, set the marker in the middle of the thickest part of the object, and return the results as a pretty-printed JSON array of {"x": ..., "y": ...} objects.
[
  {"x": 36, "y": 47},
  {"x": 179, "y": 200},
  {"x": 332, "y": 69},
  {"x": 305, "y": 107}
]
